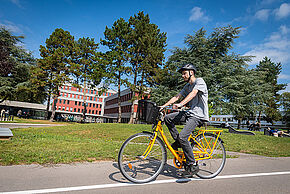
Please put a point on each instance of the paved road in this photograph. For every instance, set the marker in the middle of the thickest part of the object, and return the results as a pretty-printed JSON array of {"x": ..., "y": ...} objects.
[
  {"x": 25, "y": 125},
  {"x": 246, "y": 174}
]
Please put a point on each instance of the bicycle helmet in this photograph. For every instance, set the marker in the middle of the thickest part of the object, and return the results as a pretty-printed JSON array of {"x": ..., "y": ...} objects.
[{"x": 187, "y": 66}]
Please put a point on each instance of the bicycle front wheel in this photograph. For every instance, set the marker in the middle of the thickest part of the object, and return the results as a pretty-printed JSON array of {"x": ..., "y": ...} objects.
[
  {"x": 216, "y": 154},
  {"x": 136, "y": 164}
]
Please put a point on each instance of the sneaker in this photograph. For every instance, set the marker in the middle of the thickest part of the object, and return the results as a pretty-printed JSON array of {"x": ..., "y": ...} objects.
[
  {"x": 190, "y": 170},
  {"x": 176, "y": 145}
]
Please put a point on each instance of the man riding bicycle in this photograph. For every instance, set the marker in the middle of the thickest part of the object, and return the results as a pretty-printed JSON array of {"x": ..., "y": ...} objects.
[{"x": 195, "y": 96}]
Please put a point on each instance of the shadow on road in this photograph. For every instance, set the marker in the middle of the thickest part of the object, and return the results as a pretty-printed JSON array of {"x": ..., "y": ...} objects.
[{"x": 168, "y": 171}]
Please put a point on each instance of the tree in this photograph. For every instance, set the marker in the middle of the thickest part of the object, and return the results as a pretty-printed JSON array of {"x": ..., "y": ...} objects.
[
  {"x": 15, "y": 65},
  {"x": 210, "y": 55},
  {"x": 244, "y": 93},
  {"x": 233, "y": 89},
  {"x": 53, "y": 66},
  {"x": 271, "y": 72},
  {"x": 116, "y": 39},
  {"x": 285, "y": 105},
  {"x": 147, "y": 47},
  {"x": 85, "y": 66}
]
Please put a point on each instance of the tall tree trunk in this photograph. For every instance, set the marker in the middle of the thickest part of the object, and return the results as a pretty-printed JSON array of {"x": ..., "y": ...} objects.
[
  {"x": 48, "y": 99},
  {"x": 239, "y": 123},
  {"x": 47, "y": 107},
  {"x": 132, "y": 116},
  {"x": 119, "y": 99},
  {"x": 85, "y": 102},
  {"x": 53, "y": 108},
  {"x": 259, "y": 119},
  {"x": 141, "y": 84}
]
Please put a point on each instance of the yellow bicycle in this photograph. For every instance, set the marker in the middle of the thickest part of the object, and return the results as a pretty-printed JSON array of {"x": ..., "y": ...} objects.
[{"x": 142, "y": 156}]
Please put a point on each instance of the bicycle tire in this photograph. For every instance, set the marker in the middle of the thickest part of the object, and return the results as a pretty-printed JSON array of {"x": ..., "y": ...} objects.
[
  {"x": 210, "y": 168},
  {"x": 137, "y": 169}
]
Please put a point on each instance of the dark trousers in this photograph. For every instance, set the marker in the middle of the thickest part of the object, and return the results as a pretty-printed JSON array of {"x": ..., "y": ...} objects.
[{"x": 182, "y": 137}]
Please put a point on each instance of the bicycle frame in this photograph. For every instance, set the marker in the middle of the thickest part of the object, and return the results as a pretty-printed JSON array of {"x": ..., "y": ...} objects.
[{"x": 200, "y": 154}]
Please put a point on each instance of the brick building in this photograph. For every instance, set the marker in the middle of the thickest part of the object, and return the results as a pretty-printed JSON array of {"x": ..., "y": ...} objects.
[
  {"x": 70, "y": 104},
  {"x": 111, "y": 106}
]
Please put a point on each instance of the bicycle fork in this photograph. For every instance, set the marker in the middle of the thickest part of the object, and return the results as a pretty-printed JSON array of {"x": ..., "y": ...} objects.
[{"x": 150, "y": 146}]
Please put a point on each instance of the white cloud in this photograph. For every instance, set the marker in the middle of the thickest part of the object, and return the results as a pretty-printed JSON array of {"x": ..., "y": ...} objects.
[
  {"x": 284, "y": 29},
  {"x": 16, "y": 2},
  {"x": 283, "y": 11},
  {"x": 276, "y": 47},
  {"x": 196, "y": 14},
  {"x": 267, "y": 2},
  {"x": 287, "y": 89},
  {"x": 11, "y": 26},
  {"x": 274, "y": 55},
  {"x": 284, "y": 76},
  {"x": 262, "y": 14}
]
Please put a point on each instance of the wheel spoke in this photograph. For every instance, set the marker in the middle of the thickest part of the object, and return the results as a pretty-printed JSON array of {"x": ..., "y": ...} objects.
[
  {"x": 210, "y": 168},
  {"x": 148, "y": 165}
]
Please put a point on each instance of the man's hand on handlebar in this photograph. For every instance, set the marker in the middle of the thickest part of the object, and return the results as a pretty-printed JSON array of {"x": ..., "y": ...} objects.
[{"x": 177, "y": 106}]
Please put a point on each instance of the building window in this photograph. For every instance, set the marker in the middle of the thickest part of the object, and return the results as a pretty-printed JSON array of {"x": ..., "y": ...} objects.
[
  {"x": 78, "y": 110},
  {"x": 63, "y": 108},
  {"x": 89, "y": 111},
  {"x": 91, "y": 98},
  {"x": 59, "y": 101},
  {"x": 71, "y": 109},
  {"x": 99, "y": 112},
  {"x": 75, "y": 109},
  {"x": 76, "y": 103},
  {"x": 97, "y": 106},
  {"x": 94, "y": 105},
  {"x": 63, "y": 101},
  {"x": 67, "y": 101},
  {"x": 80, "y": 103}
]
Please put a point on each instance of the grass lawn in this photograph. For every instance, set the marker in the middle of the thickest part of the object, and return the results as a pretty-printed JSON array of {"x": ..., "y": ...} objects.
[{"x": 93, "y": 142}]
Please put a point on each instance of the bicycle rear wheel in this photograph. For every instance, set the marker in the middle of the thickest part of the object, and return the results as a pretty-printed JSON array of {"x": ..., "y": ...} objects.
[
  {"x": 133, "y": 163},
  {"x": 210, "y": 168}
]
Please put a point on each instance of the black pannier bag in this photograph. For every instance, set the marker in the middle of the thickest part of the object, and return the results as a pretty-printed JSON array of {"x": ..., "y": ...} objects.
[{"x": 147, "y": 111}]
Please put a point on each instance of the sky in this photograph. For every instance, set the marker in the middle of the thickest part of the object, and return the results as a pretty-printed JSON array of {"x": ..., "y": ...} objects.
[{"x": 265, "y": 24}]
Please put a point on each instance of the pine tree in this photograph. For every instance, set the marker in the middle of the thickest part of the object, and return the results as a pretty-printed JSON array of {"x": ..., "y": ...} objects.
[
  {"x": 271, "y": 71},
  {"x": 117, "y": 40},
  {"x": 85, "y": 66},
  {"x": 53, "y": 66},
  {"x": 147, "y": 47},
  {"x": 285, "y": 104}
]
